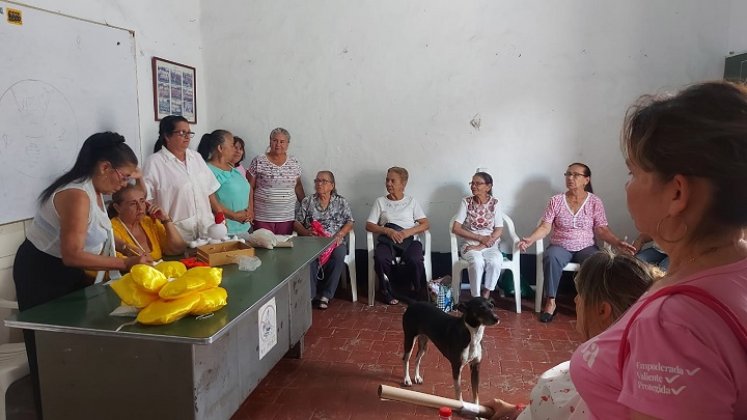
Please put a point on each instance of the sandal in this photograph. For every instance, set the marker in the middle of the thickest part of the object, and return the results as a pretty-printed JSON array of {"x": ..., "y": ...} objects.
[
  {"x": 388, "y": 299},
  {"x": 323, "y": 303}
]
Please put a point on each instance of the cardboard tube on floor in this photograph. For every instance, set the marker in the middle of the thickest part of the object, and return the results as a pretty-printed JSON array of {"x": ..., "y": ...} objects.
[{"x": 434, "y": 401}]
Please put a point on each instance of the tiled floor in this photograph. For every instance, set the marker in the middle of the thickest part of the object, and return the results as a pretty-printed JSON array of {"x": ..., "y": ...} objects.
[{"x": 352, "y": 348}]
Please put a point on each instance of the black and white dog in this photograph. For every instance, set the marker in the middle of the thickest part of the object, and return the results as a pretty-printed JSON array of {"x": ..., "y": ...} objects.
[{"x": 458, "y": 338}]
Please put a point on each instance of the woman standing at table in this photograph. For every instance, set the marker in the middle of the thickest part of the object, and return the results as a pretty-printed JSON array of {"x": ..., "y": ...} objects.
[
  {"x": 275, "y": 178},
  {"x": 178, "y": 179},
  {"x": 233, "y": 198},
  {"x": 70, "y": 239}
]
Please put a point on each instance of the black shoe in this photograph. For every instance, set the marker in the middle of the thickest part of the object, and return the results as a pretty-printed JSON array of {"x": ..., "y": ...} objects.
[{"x": 547, "y": 316}]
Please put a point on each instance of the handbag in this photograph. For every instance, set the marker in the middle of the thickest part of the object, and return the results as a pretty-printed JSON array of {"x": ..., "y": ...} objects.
[{"x": 399, "y": 247}]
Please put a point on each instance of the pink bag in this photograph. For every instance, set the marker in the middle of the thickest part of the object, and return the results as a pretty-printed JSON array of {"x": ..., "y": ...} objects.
[{"x": 318, "y": 230}]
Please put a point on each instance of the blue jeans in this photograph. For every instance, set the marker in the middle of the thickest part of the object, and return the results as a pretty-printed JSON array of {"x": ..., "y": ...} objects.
[
  {"x": 655, "y": 257},
  {"x": 556, "y": 257},
  {"x": 324, "y": 280}
]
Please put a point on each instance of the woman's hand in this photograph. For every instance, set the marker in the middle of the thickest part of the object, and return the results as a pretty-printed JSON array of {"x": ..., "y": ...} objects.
[
  {"x": 137, "y": 259},
  {"x": 487, "y": 240},
  {"x": 625, "y": 247},
  {"x": 503, "y": 410},
  {"x": 157, "y": 213},
  {"x": 339, "y": 238},
  {"x": 249, "y": 213},
  {"x": 396, "y": 236},
  {"x": 524, "y": 243}
]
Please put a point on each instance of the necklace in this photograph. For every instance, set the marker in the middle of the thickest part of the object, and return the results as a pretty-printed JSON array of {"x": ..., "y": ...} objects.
[
  {"x": 134, "y": 239},
  {"x": 318, "y": 205}
]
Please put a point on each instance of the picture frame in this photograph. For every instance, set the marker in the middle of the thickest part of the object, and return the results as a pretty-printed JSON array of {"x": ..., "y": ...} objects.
[{"x": 174, "y": 90}]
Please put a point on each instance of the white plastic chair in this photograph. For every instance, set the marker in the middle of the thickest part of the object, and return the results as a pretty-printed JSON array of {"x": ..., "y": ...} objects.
[
  {"x": 458, "y": 263},
  {"x": 350, "y": 261},
  {"x": 370, "y": 246},
  {"x": 14, "y": 364},
  {"x": 541, "y": 274}
]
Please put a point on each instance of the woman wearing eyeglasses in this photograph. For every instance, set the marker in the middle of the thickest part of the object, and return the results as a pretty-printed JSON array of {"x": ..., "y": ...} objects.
[
  {"x": 333, "y": 212},
  {"x": 70, "y": 243},
  {"x": 574, "y": 218},
  {"x": 142, "y": 229},
  {"x": 179, "y": 181},
  {"x": 479, "y": 223},
  {"x": 275, "y": 178}
]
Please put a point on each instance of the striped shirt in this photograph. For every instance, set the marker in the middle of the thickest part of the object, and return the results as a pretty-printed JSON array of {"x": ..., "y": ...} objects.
[
  {"x": 574, "y": 232},
  {"x": 275, "y": 189}
]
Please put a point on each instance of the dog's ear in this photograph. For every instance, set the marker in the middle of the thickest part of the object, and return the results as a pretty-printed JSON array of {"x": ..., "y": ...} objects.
[{"x": 461, "y": 307}]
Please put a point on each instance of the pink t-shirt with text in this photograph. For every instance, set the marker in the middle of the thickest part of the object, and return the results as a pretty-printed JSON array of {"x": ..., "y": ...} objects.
[
  {"x": 574, "y": 232},
  {"x": 685, "y": 362}
]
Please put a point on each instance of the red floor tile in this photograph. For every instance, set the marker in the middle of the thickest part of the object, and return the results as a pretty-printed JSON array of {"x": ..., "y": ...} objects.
[{"x": 352, "y": 348}]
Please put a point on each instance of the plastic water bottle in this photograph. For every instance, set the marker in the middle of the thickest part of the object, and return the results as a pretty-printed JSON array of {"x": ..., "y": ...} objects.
[{"x": 444, "y": 413}]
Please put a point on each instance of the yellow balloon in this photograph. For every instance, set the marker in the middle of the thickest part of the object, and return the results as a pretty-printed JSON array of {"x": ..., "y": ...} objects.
[
  {"x": 148, "y": 278},
  {"x": 131, "y": 294},
  {"x": 194, "y": 280},
  {"x": 163, "y": 312},
  {"x": 171, "y": 269},
  {"x": 210, "y": 301}
]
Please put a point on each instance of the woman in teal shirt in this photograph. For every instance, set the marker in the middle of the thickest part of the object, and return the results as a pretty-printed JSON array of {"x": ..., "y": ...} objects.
[{"x": 232, "y": 198}]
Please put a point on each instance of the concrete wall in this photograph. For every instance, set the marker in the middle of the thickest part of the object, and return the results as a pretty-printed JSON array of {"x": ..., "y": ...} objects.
[{"x": 366, "y": 85}]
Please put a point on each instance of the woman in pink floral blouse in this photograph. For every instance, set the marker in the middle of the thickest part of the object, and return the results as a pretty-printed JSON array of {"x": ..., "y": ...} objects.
[{"x": 574, "y": 218}]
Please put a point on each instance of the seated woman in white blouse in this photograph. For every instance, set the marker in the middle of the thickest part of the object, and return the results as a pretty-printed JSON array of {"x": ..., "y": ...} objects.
[{"x": 480, "y": 223}]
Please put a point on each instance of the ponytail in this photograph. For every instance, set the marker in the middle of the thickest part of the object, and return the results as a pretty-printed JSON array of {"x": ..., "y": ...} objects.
[
  {"x": 209, "y": 142},
  {"x": 167, "y": 125},
  {"x": 99, "y": 147}
]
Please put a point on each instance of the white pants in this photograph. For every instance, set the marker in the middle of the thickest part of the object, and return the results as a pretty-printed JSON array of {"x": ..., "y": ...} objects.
[{"x": 487, "y": 261}]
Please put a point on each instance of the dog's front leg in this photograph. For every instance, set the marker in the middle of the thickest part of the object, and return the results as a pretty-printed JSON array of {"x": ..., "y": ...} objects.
[
  {"x": 406, "y": 362},
  {"x": 456, "y": 373},
  {"x": 474, "y": 369}
]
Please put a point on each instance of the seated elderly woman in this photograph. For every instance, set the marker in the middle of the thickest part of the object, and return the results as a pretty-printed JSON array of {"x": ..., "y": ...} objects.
[
  {"x": 142, "y": 229},
  {"x": 397, "y": 219},
  {"x": 333, "y": 213},
  {"x": 480, "y": 223},
  {"x": 574, "y": 217}
]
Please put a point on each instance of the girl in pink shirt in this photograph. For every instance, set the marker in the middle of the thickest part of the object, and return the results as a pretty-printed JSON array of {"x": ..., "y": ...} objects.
[{"x": 678, "y": 357}]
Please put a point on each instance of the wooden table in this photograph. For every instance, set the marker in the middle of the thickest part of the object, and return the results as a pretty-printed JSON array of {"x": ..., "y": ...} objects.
[{"x": 92, "y": 367}]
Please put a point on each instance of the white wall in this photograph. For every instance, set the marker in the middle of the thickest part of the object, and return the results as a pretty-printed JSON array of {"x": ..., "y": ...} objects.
[
  {"x": 738, "y": 27},
  {"x": 366, "y": 85}
]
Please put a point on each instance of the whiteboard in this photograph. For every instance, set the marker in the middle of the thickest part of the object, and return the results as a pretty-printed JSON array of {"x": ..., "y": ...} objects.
[{"x": 61, "y": 80}]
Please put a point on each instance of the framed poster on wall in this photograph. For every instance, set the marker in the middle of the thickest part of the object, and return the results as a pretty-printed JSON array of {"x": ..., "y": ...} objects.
[{"x": 174, "y": 90}]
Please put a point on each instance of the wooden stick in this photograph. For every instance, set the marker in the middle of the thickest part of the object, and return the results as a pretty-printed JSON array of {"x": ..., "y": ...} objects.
[{"x": 434, "y": 401}]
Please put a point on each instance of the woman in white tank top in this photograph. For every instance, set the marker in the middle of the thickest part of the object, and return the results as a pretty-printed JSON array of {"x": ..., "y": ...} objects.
[{"x": 71, "y": 233}]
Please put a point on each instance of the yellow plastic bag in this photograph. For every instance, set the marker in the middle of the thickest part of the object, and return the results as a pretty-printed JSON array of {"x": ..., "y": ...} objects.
[
  {"x": 131, "y": 294},
  {"x": 163, "y": 312},
  {"x": 210, "y": 301},
  {"x": 148, "y": 278},
  {"x": 171, "y": 269},
  {"x": 194, "y": 280}
]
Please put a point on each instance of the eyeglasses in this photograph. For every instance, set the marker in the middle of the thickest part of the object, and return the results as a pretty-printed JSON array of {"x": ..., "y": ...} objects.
[
  {"x": 322, "y": 181},
  {"x": 184, "y": 134},
  {"x": 122, "y": 177},
  {"x": 572, "y": 174},
  {"x": 476, "y": 184}
]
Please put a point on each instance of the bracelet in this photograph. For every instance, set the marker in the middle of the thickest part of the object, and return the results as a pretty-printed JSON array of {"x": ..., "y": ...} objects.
[{"x": 166, "y": 221}]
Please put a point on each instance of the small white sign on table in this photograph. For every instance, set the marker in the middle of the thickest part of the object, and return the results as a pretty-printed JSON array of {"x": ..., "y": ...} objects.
[{"x": 268, "y": 332}]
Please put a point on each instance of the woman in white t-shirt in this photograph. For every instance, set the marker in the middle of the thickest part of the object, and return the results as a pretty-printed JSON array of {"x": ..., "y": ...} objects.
[
  {"x": 397, "y": 219},
  {"x": 275, "y": 179}
]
